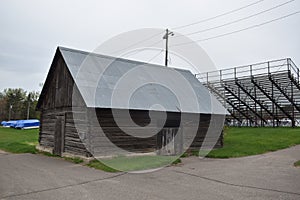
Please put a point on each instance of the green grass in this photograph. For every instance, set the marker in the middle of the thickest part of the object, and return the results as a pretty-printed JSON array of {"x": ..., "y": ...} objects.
[
  {"x": 49, "y": 154},
  {"x": 99, "y": 165},
  {"x": 238, "y": 142},
  {"x": 75, "y": 160},
  {"x": 177, "y": 161},
  {"x": 18, "y": 141},
  {"x": 248, "y": 141},
  {"x": 297, "y": 164}
]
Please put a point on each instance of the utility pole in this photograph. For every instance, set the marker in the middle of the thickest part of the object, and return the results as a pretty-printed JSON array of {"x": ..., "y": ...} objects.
[
  {"x": 9, "y": 112},
  {"x": 28, "y": 107},
  {"x": 166, "y": 37}
]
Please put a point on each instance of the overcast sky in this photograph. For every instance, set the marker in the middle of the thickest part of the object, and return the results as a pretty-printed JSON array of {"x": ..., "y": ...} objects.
[{"x": 32, "y": 29}]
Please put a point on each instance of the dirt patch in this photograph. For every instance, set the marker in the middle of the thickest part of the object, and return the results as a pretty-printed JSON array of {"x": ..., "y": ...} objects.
[{"x": 3, "y": 152}]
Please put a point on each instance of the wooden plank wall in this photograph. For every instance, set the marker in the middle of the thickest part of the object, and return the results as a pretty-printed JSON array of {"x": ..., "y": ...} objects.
[
  {"x": 103, "y": 140},
  {"x": 86, "y": 135},
  {"x": 73, "y": 133},
  {"x": 76, "y": 133},
  {"x": 100, "y": 138}
]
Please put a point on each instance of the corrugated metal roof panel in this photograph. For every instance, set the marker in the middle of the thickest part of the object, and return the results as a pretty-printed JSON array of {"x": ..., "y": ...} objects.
[{"x": 99, "y": 78}]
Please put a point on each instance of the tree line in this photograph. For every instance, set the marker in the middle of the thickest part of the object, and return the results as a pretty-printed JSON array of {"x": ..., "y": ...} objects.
[{"x": 16, "y": 103}]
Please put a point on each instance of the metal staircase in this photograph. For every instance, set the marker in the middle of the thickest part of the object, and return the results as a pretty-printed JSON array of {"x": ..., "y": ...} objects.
[{"x": 263, "y": 94}]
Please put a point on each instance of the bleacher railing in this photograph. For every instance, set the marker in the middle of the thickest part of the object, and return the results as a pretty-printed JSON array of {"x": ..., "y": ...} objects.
[{"x": 259, "y": 69}]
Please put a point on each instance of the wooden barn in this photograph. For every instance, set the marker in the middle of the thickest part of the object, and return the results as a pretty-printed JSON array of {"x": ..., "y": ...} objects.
[{"x": 79, "y": 118}]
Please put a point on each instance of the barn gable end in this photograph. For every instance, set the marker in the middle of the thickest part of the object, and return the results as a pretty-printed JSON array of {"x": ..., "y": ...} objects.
[
  {"x": 58, "y": 88},
  {"x": 57, "y": 104}
]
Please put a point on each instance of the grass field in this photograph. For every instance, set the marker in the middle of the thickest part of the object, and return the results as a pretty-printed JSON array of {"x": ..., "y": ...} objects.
[
  {"x": 238, "y": 142},
  {"x": 247, "y": 141},
  {"x": 18, "y": 141}
]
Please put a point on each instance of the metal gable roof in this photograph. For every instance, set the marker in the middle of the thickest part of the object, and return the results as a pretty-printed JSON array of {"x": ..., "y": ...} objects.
[{"x": 97, "y": 76}]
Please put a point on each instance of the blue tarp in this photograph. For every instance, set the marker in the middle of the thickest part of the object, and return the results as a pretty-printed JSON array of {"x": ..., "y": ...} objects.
[
  {"x": 11, "y": 123},
  {"x": 31, "y": 123},
  {"x": 3, "y": 123}
]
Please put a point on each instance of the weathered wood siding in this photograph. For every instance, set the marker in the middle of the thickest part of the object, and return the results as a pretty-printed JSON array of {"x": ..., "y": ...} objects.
[
  {"x": 105, "y": 134},
  {"x": 59, "y": 88},
  {"x": 76, "y": 132},
  {"x": 59, "y": 100},
  {"x": 83, "y": 132},
  {"x": 72, "y": 141},
  {"x": 101, "y": 140}
]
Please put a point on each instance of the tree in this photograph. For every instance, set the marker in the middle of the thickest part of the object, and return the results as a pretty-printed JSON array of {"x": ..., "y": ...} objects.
[
  {"x": 30, "y": 104},
  {"x": 16, "y": 104},
  {"x": 3, "y": 108}
]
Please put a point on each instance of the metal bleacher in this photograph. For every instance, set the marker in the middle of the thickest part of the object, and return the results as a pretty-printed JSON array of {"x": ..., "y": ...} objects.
[{"x": 263, "y": 94}]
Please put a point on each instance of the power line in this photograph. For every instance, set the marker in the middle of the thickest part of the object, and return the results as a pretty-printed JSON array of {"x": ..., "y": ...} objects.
[
  {"x": 179, "y": 27},
  {"x": 217, "y": 16},
  {"x": 240, "y": 30},
  {"x": 238, "y": 20},
  {"x": 143, "y": 49},
  {"x": 138, "y": 50},
  {"x": 156, "y": 42},
  {"x": 138, "y": 42},
  {"x": 222, "y": 25},
  {"x": 155, "y": 56}
]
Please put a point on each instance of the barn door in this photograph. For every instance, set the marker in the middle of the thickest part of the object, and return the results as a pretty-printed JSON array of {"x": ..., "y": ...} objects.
[
  {"x": 166, "y": 141},
  {"x": 59, "y": 136}
]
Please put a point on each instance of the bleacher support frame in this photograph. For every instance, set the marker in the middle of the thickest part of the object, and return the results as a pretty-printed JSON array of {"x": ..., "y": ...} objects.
[{"x": 262, "y": 94}]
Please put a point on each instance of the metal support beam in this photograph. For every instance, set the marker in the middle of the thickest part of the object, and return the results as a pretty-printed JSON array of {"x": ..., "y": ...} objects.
[
  {"x": 293, "y": 81},
  {"x": 273, "y": 105},
  {"x": 233, "y": 115},
  {"x": 284, "y": 93},
  {"x": 293, "y": 108},
  {"x": 271, "y": 98},
  {"x": 253, "y": 98},
  {"x": 230, "y": 103},
  {"x": 242, "y": 102}
]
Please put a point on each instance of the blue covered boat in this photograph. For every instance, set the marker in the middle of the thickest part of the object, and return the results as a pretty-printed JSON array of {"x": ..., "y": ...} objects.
[
  {"x": 11, "y": 123},
  {"x": 3, "y": 123},
  {"x": 28, "y": 124}
]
